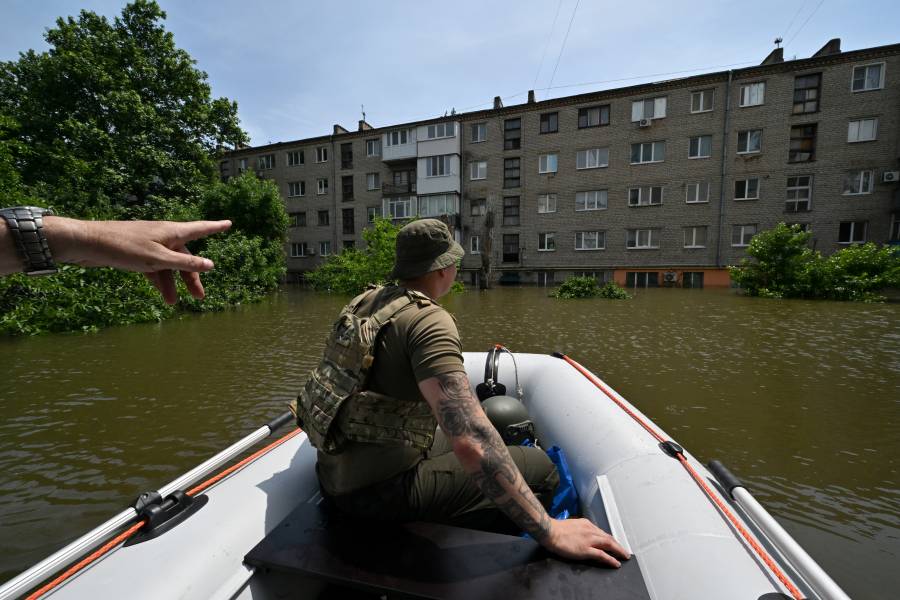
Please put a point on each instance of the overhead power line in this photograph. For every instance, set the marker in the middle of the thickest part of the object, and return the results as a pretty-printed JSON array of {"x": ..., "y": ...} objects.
[
  {"x": 796, "y": 14},
  {"x": 804, "y": 23},
  {"x": 547, "y": 44},
  {"x": 563, "y": 47}
]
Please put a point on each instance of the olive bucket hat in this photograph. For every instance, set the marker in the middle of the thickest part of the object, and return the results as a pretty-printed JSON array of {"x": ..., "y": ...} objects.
[{"x": 424, "y": 246}]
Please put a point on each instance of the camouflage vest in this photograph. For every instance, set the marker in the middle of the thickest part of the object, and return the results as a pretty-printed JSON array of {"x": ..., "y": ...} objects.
[{"x": 334, "y": 407}]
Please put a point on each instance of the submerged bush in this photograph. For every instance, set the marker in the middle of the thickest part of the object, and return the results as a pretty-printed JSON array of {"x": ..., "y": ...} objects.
[
  {"x": 352, "y": 270},
  {"x": 587, "y": 287}
]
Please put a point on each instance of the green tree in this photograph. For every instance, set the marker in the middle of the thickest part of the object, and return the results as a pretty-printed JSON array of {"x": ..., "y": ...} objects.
[
  {"x": 587, "y": 287},
  {"x": 254, "y": 206}
]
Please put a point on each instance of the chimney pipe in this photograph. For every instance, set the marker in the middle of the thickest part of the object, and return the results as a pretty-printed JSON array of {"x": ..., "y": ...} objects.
[
  {"x": 832, "y": 47},
  {"x": 498, "y": 103},
  {"x": 530, "y": 96}
]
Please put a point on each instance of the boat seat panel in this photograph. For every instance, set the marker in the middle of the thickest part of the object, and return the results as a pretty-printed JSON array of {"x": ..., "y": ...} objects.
[{"x": 428, "y": 560}]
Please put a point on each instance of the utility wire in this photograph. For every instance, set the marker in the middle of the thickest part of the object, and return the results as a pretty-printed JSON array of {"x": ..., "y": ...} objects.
[
  {"x": 546, "y": 45},
  {"x": 565, "y": 39},
  {"x": 796, "y": 14},
  {"x": 805, "y": 22}
]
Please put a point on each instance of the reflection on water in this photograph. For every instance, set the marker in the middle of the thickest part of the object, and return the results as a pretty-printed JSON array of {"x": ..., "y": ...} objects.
[{"x": 800, "y": 399}]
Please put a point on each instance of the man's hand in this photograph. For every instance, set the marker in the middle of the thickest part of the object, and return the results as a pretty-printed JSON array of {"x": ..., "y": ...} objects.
[{"x": 580, "y": 539}]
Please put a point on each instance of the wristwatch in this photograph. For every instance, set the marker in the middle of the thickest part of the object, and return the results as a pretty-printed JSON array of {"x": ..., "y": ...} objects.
[{"x": 27, "y": 226}]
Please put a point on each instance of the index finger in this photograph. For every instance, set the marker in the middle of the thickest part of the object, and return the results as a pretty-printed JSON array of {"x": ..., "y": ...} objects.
[
  {"x": 192, "y": 230},
  {"x": 609, "y": 544}
]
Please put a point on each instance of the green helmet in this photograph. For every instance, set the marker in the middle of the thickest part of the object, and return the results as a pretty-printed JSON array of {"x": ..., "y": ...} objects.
[{"x": 510, "y": 418}]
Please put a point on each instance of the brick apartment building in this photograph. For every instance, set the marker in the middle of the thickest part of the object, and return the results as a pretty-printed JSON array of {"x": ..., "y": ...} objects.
[{"x": 655, "y": 184}]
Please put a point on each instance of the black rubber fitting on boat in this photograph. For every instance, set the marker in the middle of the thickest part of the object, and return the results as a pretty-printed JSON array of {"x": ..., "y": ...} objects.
[
  {"x": 145, "y": 500},
  {"x": 671, "y": 448},
  {"x": 280, "y": 421},
  {"x": 557, "y": 355},
  {"x": 725, "y": 477}
]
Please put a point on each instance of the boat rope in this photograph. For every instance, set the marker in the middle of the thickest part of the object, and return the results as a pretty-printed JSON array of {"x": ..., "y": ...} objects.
[
  {"x": 133, "y": 529},
  {"x": 678, "y": 453}
]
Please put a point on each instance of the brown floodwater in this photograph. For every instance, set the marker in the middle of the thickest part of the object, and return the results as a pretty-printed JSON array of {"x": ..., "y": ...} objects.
[{"x": 800, "y": 399}]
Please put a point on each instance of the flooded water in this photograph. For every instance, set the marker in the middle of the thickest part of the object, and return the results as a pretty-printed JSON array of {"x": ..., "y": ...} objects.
[{"x": 800, "y": 399}]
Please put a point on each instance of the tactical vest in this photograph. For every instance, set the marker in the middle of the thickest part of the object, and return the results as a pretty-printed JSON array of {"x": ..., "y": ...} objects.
[{"x": 334, "y": 407}]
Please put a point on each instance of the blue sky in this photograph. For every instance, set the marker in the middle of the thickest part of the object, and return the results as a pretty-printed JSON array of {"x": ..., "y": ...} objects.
[{"x": 296, "y": 68}]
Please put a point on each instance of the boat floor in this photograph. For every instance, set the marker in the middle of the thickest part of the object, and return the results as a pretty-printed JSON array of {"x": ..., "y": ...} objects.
[{"x": 427, "y": 560}]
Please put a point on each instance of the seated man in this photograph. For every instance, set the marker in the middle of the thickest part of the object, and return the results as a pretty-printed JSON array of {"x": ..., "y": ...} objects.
[{"x": 392, "y": 371}]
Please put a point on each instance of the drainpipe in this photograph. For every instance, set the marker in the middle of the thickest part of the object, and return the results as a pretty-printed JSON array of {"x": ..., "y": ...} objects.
[
  {"x": 334, "y": 201},
  {"x": 724, "y": 171}
]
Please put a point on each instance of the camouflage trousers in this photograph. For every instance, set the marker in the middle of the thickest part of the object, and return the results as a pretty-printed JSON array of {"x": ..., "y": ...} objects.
[{"x": 439, "y": 490}]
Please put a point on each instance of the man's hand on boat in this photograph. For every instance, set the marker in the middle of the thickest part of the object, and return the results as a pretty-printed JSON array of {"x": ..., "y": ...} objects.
[{"x": 582, "y": 540}]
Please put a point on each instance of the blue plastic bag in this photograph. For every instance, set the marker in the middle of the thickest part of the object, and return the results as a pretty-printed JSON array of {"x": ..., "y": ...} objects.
[{"x": 565, "y": 501}]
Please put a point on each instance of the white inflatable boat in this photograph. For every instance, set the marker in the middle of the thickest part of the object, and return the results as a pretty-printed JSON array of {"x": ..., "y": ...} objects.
[{"x": 258, "y": 532}]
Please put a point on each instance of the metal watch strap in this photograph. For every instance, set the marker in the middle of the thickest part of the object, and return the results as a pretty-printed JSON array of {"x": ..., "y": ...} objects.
[{"x": 26, "y": 223}]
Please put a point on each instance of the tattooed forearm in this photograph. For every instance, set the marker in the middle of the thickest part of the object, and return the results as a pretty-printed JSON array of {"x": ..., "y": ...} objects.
[{"x": 529, "y": 515}]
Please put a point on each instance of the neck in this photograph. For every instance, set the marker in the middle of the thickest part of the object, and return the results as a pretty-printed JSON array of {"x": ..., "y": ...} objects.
[{"x": 426, "y": 285}]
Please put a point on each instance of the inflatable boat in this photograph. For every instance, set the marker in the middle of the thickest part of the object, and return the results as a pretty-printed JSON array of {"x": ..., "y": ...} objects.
[{"x": 258, "y": 530}]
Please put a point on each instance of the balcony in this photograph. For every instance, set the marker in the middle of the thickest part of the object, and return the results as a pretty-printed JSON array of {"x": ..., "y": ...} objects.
[{"x": 393, "y": 189}]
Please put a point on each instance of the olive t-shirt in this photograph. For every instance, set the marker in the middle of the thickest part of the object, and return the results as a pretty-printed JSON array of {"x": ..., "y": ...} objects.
[{"x": 421, "y": 342}]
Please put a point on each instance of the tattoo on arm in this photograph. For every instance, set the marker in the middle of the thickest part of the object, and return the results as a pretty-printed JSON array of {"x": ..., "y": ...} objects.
[{"x": 499, "y": 479}]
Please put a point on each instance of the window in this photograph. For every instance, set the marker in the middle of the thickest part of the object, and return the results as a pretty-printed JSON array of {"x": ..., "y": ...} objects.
[
  {"x": 349, "y": 244},
  {"x": 858, "y": 182},
  {"x": 399, "y": 208},
  {"x": 296, "y": 189},
  {"x": 749, "y": 141},
  {"x": 511, "y": 210},
  {"x": 852, "y": 232},
  {"x": 547, "y": 242},
  {"x": 371, "y": 213},
  {"x": 373, "y": 147},
  {"x": 590, "y": 240},
  {"x": 479, "y": 132},
  {"x": 478, "y": 207},
  {"x": 742, "y": 234},
  {"x": 692, "y": 279},
  {"x": 868, "y": 77},
  {"x": 894, "y": 235},
  {"x": 323, "y": 217},
  {"x": 478, "y": 169},
  {"x": 475, "y": 244},
  {"x": 373, "y": 181},
  {"x": 441, "y": 130},
  {"x": 644, "y": 279},
  {"x": 550, "y": 122},
  {"x": 243, "y": 165},
  {"x": 591, "y": 200},
  {"x": 512, "y": 134},
  {"x": 807, "y": 89},
  {"x": 398, "y": 137},
  {"x": 803, "y": 143},
  {"x": 347, "y": 156},
  {"x": 298, "y": 219},
  {"x": 593, "y": 116},
  {"x": 348, "y": 226},
  {"x": 439, "y": 204},
  {"x": 648, "y": 152},
  {"x": 322, "y": 186},
  {"x": 592, "y": 159},
  {"x": 437, "y": 166},
  {"x": 324, "y": 248},
  {"x": 753, "y": 94},
  {"x": 651, "y": 108},
  {"x": 295, "y": 158},
  {"x": 697, "y": 192},
  {"x": 510, "y": 247},
  {"x": 322, "y": 154},
  {"x": 702, "y": 100},
  {"x": 746, "y": 189},
  {"x": 347, "y": 187},
  {"x": 641, "y": 238},
  {"x": 799, "y": 193},
  {"x": 547, "y": 203},
  {"x": 299, "y": 250},
  {"x": 695, "y": 237},
  {"x": 645, "y": 196},
  {"x": 863, "y": 130},
  {"x": 547, "y": 163},
  {"x": 265, "y": 162},
  {"x": 511, "y": 172},
  {"x": 700, "y": 147}
]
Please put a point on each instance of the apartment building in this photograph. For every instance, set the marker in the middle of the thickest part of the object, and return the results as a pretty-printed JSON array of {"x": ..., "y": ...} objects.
[{"x": 649, "y": 185}]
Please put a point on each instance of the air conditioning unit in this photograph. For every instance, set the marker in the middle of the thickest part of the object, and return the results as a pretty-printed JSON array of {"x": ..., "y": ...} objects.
[
  {"x": 890, "y": 177},
  {"x": 645, "y": 122},
  {"x": 670, "y": 276}
]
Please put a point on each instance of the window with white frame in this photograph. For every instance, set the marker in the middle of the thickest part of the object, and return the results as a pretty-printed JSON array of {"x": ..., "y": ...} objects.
[
  {"x": 702, "y": 100},
  {"x": 547, "y": 242},
  {"x": 265, "y": 162},
  {"x": 399, "y": 208},
  {"x": 862, "y": 130},
  {"x": 298, "y": 219},
  {"x": 373, "y": 147},
  {"x": 648, "y": 152},
  {"x": 478, "y": 169},
  {"x": 591, "y": 200},
  {"x": 857, "y": 183},
  {"x": 371, "y": 213},
  {"x": 475, "y": 244},
  {"x": 593, "y": 116},
  {"x": 749, "y": 141},
  {"x": 590, "y": 240},
  {"x": 645, "y": 196},
  {"x": 753, "y": 94},
  {"x": 437, "y": 166},
  {"x": 639, "y": 239},
  {"x": 868, "y": 77},
  {"x": 296, "y": 188},
  {"x": 478, "y": 207},
  {"x": 852, "y": 232},
  {"x": 295, "y": 158},
  {"x": 479, "y": 132},
  {"x": 649, "y": 108},
  {"x": 700, "y": 147},
  {"x": 439, "y": 204},
  {"x": 321, "y": 186},
  {"x": 592, "y": 159},
  {"x": 746, "y": 189},
  {"x": 547, "y": 163},
  {"x": 547, "y": 203},
  {"x": 398, "y": 137},
  {"x": 322, "y": 154},
  {"x": 742, "y": 234},
  {"x": 373, "y": 181},
  {"x": 299, "y": 249},
  {"x": 324, "y": 248},
  {"x": 697, "y": 192},
  {"x": 441, "y": 130},
  {"x": 695, "y": 236},
  {"x": 242, "y": 165},
  {"x": 799, "y": 193}
]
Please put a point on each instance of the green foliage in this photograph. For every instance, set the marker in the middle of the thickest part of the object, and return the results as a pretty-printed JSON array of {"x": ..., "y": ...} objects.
[
  {"x": 352, "y": 270},
  {"x": 587, "y": 287},
  {"x": 783, "y": 266},
  {"x": 613, "y": 292},
  {"x": 253, "y": 205},
  {"x": 457, "y": 288}
]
